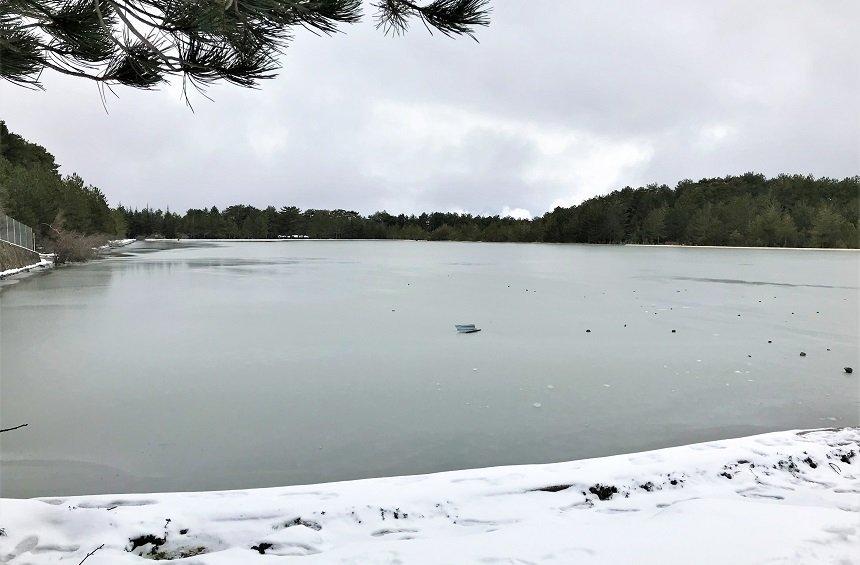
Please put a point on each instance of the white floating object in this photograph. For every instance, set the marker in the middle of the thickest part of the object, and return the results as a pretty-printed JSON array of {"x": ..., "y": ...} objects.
[{"x": 537, "y": 404}]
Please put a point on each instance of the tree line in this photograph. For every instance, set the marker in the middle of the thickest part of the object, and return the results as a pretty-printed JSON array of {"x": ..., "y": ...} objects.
[
  {"x": 33, "y": 192},
  {"x": 744, "y": 210},
  {"x": 747, "y": 210},
  {"x": 247, "y": 222}
]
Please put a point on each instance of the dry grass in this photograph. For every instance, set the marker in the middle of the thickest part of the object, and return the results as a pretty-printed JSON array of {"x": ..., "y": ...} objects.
[{"x": 73, "y": 247}]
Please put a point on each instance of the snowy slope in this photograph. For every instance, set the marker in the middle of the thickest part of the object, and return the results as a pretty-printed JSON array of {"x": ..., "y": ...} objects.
[
  {"x": 45, "y": 263},
  {"x": 785, "y": 497}
]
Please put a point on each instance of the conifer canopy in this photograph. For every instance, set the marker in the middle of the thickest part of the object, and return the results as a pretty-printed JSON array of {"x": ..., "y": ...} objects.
[{"x": 143, "y": 43}]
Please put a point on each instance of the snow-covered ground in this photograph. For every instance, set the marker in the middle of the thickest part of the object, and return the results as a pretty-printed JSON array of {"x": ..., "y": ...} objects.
[
  {"x": 46, "y": 262},
  {"x": 121, "y": 242},
  {"x": 785, "y": 497}
]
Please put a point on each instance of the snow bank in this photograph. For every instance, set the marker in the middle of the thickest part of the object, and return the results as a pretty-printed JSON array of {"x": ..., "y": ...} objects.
[
  {"x": 785, "y": 497},
  {"x": 121, "y": 242},
  {"x": 113, "y": 244},
  {"x": 46, "y": 262}
]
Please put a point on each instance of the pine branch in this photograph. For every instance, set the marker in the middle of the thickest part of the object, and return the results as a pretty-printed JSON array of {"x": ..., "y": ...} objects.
[
  {"x": 142, "y": 43},
  {"x": 451, "y": 17}
]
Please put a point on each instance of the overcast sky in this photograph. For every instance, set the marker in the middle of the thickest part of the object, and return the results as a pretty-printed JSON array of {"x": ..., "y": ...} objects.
[{"x": 561, "y": 100}]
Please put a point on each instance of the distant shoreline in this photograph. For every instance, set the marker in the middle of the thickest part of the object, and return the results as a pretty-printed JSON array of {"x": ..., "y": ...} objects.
[
  {"x": 666, "y": 245},
  {"x": 741, "y": 247}
]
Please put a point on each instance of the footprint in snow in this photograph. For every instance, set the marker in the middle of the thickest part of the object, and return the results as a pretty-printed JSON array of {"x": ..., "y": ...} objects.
[{"x": 26, "y": 545}]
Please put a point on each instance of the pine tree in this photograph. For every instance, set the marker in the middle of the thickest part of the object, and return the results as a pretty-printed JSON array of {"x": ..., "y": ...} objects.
[
  {"x": 829, "y": 229},
  {"x": 654, "y": 226}
]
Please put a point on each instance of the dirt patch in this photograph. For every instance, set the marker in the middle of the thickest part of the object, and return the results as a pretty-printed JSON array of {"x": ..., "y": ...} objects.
[
  {"x": 262, "y": 547},
  {"x": 301, "y": 522},
  {"x": 809, "y": 461},
  {"x": 148, "y": 539},
  {"x": 603, "y": 492}
]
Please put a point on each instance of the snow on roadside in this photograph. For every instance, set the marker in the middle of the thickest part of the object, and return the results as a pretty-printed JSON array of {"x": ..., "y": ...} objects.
[
  {"x": 787, "y": 497},
  {"x": 46, "y": 262}
]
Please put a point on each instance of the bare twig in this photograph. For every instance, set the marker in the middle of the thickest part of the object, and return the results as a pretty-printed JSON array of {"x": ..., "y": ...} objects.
[
  {"x": 90, "y": 553},
  {"x": 50, "y": 226},
  {"x": 15, "y": 428}
]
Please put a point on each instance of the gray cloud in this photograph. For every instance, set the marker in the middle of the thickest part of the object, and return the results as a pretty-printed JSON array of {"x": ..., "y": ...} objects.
[{"x": 558, "y": 102}]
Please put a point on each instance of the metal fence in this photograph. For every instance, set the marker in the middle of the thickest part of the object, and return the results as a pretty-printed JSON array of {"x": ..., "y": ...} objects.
[{"x": 13, "y": 231}]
